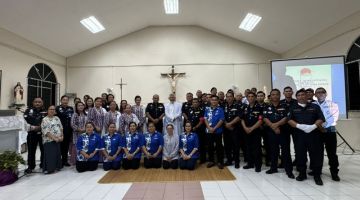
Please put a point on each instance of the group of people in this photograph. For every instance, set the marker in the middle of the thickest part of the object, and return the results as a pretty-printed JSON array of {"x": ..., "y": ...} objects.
[{"x": 179, "y": 134}]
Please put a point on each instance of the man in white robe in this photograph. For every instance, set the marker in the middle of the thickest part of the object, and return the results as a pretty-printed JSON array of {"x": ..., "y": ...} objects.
[{"x": 173, "y": 115}]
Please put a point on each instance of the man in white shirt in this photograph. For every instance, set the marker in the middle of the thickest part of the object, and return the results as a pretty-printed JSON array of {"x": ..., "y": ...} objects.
[
  {"x": 331, "y": 114},
  {"x": 173, "y": 115}
]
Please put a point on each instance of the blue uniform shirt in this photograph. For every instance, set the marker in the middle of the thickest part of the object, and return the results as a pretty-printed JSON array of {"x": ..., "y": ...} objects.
[
  {"x": 152, "y": 142},
  {"x": 189, "y": 142},
  {"x": 88, "y": 144},
  {"x": 252, "y": 114},
  {"x": 275, "y": 113},
  {"x": 111, "y": 144},
  {"x": 213, "y": 116},
  {"x": 306, "y": 115},
  {"x": 132, "y": 142}
]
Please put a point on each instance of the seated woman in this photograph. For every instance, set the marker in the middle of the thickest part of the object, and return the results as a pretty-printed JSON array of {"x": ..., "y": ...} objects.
[
  {"x": 52, "y": 132},
  {"x": 131, "y": 144},
  {"x": 171, "y": 148},
  {"x": 152, "y": 144},
  {"x": 88, "y": 145},
  {"x": 111, "y": 150},
  {"x": 188, "y": 144}
]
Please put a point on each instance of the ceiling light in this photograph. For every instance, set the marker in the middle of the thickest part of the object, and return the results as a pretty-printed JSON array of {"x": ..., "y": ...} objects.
[
  {"x": 249, "y": 22},
  {"x": 171, "y": 7},
  {"x": 92, "y": 24}
]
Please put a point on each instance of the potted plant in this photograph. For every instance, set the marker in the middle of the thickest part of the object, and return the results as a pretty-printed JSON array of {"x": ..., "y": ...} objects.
[{"x": 9, "y": 162}]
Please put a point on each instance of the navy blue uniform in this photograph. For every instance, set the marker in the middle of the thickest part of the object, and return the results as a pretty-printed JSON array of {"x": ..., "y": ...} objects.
[
  {"x": 65, "y": 114},
  {"x": 188, "y": 142},
  {"x": 156, "y": 110},
  {"x": 185, "y": 108},
  {"x": 305, "y": 142},
  {"x": 253, "y": 114},
  {"x": 275, "y": 114},
  {"x": 195, "y": 115},
  {"x": 111, "y": 144},
  {"x": 232, "y": 136},
  {"x": 265, "y": 139},
  {"x": 88, "y": 144},
  {"x": 132, "y": 142},
  {"x": 152, "y": 142},
  {"x": 34, "y": 117},
  {"x": 287, "y": 128}
]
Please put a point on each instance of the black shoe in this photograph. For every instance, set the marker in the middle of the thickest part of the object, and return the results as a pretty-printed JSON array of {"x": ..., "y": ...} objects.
[
  {"x": 237, "y": 165},
  {"x": 311, "y": 173},
  {"x": 202, "y": 162},
  {"x": 210, "y": 164},
  {"x": 301, "y": 177},
  {"x": 258, "y": 169},
  {"x": 335, "y": 177},
  {"x": 248, "y": 167},
  {"x": 28, "y": 171},
  {"x": 66, "y": 164},
  {"x": 220, "y": 166},
  {"x": 228, "y": 163},
  {"x": 290, "y": 175},
  {"x": 271, "y": 171},
  {"x": 318, "y": 180}
]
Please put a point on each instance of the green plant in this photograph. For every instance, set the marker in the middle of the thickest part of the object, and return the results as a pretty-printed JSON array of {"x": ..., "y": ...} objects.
[{"x": 10, "y": 160}]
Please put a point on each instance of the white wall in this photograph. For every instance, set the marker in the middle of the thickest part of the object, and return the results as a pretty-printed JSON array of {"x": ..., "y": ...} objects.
[
  {"x": 335, "y": 40},
  {"x": 17, "y": 56},
  {"x": 140, "y": 57}
]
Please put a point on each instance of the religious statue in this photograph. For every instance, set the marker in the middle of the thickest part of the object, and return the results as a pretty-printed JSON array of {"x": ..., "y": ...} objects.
[
  {"x": 173, "y": 78},
  {"x": 18, "y": 93}
]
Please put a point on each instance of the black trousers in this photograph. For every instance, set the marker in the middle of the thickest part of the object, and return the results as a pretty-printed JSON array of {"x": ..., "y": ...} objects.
[
  {"x": 152, "y": 162},
  {"x": 312, "y": 143},
  {"x": 131, "y": 164},
  {"x": 172, "y": 164},
  {"x": 215, "y": 144},
  {"x": 187, "y": 164},
  {"x": 330, "y": 141},
  {"x": 114, "y": 165},
  {"x": 64, "y": 145},
  {"x": 83, "y": 166},
  {"x": 253, "y": 148},
  {"x": 265, "y": 144},
  {"x": 202, "y": 144},
  {"x": 33, "y": 139},
  {"x": 232, "y": 144},
  {"x": 52, "y": 157},
  {"x": 276, "y": 141}
]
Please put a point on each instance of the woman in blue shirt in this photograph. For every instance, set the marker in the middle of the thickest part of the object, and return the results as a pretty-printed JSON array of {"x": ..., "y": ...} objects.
[
  {"x": 111, "y": 149},
  {"x": 188, "y": 144},
  {"x": 88, "y": 145},
  {"x": 152, "y": 144},
  {"x": 131, "y": 145}
]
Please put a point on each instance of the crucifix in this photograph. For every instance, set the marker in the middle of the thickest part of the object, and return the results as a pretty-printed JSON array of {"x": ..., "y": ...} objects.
[
  {"x": 173, "y": 78},
  {"x": 121, "y": 87}
]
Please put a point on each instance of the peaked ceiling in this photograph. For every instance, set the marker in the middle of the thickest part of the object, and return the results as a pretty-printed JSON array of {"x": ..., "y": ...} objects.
[{"x": 56, "y": 26}]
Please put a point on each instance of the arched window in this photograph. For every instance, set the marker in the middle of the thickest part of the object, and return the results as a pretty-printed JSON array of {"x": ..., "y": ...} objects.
[
  {"x": 42, "y": 83},
  {"x": 353, "y": 71}
]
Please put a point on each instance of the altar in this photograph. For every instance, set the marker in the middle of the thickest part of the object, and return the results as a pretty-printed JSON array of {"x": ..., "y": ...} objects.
[{"x": 12, "y": 131}]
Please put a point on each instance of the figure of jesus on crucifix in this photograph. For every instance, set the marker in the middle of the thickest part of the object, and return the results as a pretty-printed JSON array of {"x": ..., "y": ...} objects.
[{"x": 173, "y": 77}]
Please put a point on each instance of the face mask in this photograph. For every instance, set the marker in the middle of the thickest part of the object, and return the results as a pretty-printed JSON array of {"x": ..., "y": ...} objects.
[{"x": 302, "y": 105}]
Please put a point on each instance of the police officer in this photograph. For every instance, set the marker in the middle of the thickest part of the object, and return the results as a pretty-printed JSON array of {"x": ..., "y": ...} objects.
[
  {"x": 155, "y": 112},
  {"x": 307, "y": 118},
  {"x": 260, "y": 99},
  {"x": 196, "y": 117},
  {"x": 222, "y": 101},
  {"x": 232, "y": 113},
  {"x": 310, "y": 95},
  {"x": 65, "y": 112},
  {"x": 186, "y": 106},
  {"x": 34, "y": 116},
  {"x": 251, "y": 122},
  {"x": 275, "y": 117},
  {"x": 331, "y": 114}
]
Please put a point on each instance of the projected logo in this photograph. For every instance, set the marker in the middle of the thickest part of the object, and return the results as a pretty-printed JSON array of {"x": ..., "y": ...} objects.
[{"x": 305, "y": 72}]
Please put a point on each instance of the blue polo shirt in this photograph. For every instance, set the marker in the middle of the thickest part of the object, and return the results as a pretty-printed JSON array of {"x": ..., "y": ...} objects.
[
  {"x": 152, "y": 142},
  {"x": 111, "y": 144},
  {"x": 88, "y": 144},
  {"x": 213, "y": 116},
  {"x": 188, "y": 142},
  {"x": 132, "y": 142}
]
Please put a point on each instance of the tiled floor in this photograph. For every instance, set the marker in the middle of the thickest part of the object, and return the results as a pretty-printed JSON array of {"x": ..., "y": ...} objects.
[{"x": 249, "y": 185}]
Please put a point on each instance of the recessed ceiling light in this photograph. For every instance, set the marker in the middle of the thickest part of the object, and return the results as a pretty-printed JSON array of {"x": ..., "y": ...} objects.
[
  {"x": 92, "y": 24},
  {"x": 249, "y": 22},
  {"x": 171, "y": 7}
]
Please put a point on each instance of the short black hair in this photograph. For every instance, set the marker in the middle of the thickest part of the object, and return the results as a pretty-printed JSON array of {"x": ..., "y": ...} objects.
[
  {"x": 261, "y": 92},
  {"x": 195, "y": 99},
  {"x": 321, "y": 88},
  {"x": 302, "y": 90},
  {"x": 213, "y": 88},
  {"x": 230, "y": 92},
  {"x": 287, "y": 87},
  {"x": 137, "y": 96},
  {"x": 275, "y": 90},
  {"x": 64, "y": 96},
  {"x": 310, "y": 90},
  {"x": 251, "y": 92},
  {"x": 212, "y": 96}
]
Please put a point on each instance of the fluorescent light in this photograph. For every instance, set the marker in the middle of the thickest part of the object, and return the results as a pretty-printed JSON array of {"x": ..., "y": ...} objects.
[
  {"x": 171, "y": 7},
  {"x": 249, "y": 22},
  {"x": 92, "y": 24}
]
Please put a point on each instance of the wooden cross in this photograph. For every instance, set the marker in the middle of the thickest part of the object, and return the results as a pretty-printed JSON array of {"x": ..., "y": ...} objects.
[
  {"x": 173, "y": 78},
  {"x": 121, "y": 87}
]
